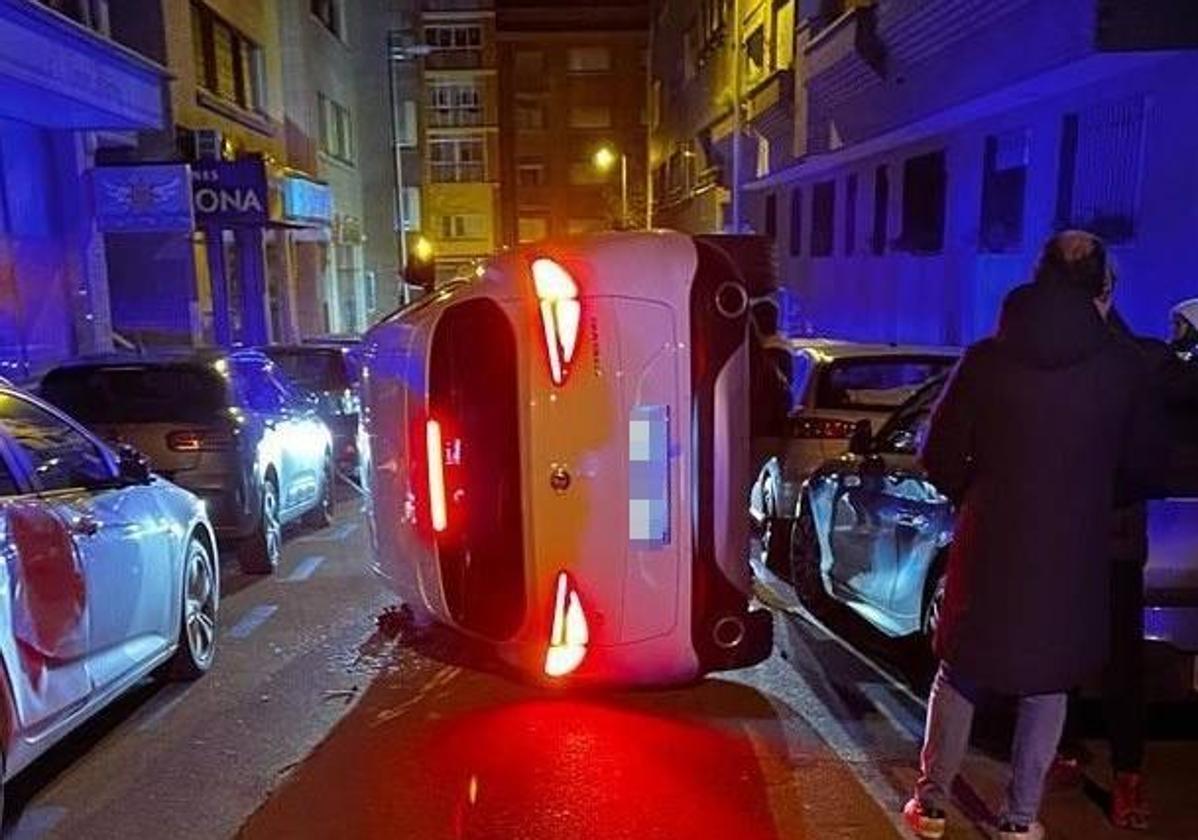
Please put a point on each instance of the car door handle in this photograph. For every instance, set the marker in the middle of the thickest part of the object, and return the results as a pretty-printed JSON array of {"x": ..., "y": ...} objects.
[{"x": 85, "y": 526}]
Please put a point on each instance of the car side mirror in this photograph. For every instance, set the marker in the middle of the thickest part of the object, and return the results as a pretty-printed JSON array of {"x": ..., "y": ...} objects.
[
  {"x": 133, "y": 467},
  {"x": 862, "y": 439}
]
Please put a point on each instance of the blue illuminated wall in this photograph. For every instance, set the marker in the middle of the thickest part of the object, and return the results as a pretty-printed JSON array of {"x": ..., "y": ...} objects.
[{"x": 36, "y": 323}]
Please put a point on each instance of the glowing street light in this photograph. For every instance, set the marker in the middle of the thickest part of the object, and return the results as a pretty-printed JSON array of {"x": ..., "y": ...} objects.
[{"x": 604, "y": 159}]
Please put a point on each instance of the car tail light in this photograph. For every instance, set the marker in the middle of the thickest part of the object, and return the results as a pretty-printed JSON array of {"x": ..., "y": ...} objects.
[
  {"x": 823, "y": 428},
  {"x": 199, "y": 440},
  {"x": 569, "y": 635},
  {"x": 561, "y": 314},
  {"x": 435, "y": 454}
]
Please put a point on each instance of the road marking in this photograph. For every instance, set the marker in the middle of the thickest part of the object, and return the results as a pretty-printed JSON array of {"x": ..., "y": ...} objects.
[
  {"x": 305, "y": 569},
  {"x": 443, "y": 677},
  {"x": 899, "y": 717},
  {"x": 36, "y": 822},
  {"x": 155, "y": 717},
  {"x": 252, "y": 620}
]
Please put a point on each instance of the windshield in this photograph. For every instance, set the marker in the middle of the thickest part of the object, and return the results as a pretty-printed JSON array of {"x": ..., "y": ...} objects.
[
  {"x": 877, "y": 383},
  {"x": 315, "y": 370},
  {"x": 169, "y": 393}
]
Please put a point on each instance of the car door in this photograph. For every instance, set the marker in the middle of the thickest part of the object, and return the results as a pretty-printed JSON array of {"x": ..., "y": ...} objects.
[
  {"x": 44, "y": 637},
  {"x": 121, "y": 537},
  {"x": 260, "y": 394},
  {"x": 887, "y": 521},
  {"x": 305, "y": 443}
]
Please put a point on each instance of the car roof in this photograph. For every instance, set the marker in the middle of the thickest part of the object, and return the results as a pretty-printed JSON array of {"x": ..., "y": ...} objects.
[
  {"x": 834, "y": 348},
  {"x": 164, "y": 356}
]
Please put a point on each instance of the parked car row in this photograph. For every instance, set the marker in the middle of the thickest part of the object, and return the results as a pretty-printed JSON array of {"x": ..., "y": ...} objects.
[
  {"x": 871, "y": 532},
  {"x": 111, "y": 569}
]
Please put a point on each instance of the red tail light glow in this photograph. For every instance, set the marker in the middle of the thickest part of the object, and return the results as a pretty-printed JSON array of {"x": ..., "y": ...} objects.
[
  {"x": 569, "y": 635},
  {"x": 199, "y": 440},
  {"x": 435, "y": 454},
  {"x": 561, "y": 314},
  {"x": 823, "y": 428}
]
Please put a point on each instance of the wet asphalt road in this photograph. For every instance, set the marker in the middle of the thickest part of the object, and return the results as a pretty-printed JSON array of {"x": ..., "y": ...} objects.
[{"x": 314, "y": 724}]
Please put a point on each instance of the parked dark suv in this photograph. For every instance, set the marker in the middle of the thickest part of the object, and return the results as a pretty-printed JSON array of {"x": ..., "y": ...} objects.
[
  {"x": 229, "y": 426},
  {"x": 330, "y": 373}
]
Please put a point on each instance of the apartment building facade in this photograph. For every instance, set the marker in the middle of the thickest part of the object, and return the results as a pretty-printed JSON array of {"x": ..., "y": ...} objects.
[
  {"x": 943, "y": 141},
  {"x": 572, "y": 78}
]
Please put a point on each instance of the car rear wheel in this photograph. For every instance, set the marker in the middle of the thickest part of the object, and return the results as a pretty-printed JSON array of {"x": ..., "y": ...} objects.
[
  {"x": 806, "y": 559},
  {"x": 201, "y": 599},
  {"x": 933, "y": 608},
  {"x": 259, "y": 554},
  {"x": 321, "y": 516},
  {"x": 775, "y": 538}
]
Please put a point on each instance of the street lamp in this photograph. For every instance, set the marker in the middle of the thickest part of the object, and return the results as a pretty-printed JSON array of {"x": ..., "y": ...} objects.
[{"x": 604, "y": 159}]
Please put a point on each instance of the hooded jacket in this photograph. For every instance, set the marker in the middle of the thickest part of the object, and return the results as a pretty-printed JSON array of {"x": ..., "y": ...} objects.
[{"x": 1038, "y": 428}]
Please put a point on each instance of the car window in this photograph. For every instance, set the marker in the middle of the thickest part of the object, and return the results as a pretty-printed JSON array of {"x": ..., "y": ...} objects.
[
  {"x": 139, "y": 393},
  {"x": 801, "y": 368},
  {"x": 907, "y": 428},
  {"x": 316, "y": 370},
  {"x": 257, "y": 389},
  {"x": 881, "y": 383},
  {"x": 55, "y": 454}
]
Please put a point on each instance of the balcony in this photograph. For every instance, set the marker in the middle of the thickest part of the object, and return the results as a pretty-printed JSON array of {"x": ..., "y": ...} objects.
[
  {"x": 451, "y": 58},
  {"x": 853, "y": 37},
  {"x": 458, "y": 5},
  {"x": 456, "y": 117},
  {"x": 1123, "y": 25},
  {"x": 772, "y": 98},
  {"x": 451, "y": 172}
]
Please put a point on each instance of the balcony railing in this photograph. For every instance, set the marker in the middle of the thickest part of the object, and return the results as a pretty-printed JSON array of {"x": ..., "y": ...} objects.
[
  {"x": 443, "y": 172},
  {"x": 449, "y": 58},
  {"x": 90, "y": 13},
  {"x": 455, "y": 117}
]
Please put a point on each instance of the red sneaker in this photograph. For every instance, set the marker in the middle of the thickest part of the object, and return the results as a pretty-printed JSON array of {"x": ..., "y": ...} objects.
[{"x": 1129, "y": 807}]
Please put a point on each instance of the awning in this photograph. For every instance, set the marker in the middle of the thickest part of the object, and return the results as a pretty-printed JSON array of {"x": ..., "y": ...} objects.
[{"x": 58, "y": 74}]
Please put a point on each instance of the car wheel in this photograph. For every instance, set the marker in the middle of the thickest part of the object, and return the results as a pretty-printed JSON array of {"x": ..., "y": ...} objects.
[
  {"x": 321, "y": 516},
  {"x": 259, "y": 555},
  {"x": 933, "y": 608},
  {"x": 201, "y": 599},
  {"x": 775, "y": 538},
  {"x": 806, "y": 559}
]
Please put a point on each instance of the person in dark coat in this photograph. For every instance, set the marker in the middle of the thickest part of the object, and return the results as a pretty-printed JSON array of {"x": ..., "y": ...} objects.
[
  {"x": 1037, "y": 430},
  {"x": 1174, "y": 387}
]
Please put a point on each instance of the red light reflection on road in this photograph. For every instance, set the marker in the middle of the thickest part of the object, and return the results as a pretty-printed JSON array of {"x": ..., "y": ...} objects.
[{"x": 569, "y": 769}]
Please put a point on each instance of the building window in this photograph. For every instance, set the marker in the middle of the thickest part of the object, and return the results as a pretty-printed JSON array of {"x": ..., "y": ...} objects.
[
  {"x": 850, "y": 214},
  {"x": 530, "y": 174},
  {"x": 771, "y": 216},
  {"x": 585, "y": 173},
  {"x": 530, "y": 115},
  {"x": 329, "y": 13},
  {"x": 881, "y": 210},
  {"x": 713, "y": 18},
  {"x": 823, "y": 218},
  {"x": 1004, "y": 181},
  {"x": 796, "y": 222},
  {"x": 454, "y": 104},
  {"x": 411, "y": 208},
  {"x": 464, "y": 226},
  {"x": 589, "y": 59},
  {"x": 1100, "y": 169},
  {"x": 577, "y": 227},
  {"x": 406, "y": 124},
  {"x": 227, "y": 63},
  {"x": 531, "y": 228},
  {"x": 336, "y": 129},
  {"x": 590, "y": 116},
  {"x": 754, "y": 55},
  {"x": 454, "y": 37},
  {"x": 458, "y": 159},
  {"x": 925, "y": 190}
]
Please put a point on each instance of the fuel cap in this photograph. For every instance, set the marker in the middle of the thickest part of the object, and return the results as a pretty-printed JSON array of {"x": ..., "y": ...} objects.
[{"x": 559, "y": 479}]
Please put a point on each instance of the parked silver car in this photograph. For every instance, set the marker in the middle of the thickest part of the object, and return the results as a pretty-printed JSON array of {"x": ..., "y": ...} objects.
[
  {"x": 108, "y": 574},
  {"x": 873, "y": 533},
  {"x": 833, "y": 385}
]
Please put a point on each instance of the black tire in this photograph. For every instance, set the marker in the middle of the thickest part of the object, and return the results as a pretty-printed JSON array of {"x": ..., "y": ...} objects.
[
  {"x": 933, "y": 605},
  {"x": 806, "y": 558},
  {"x": 259, "y": 553},
  {"x": 775, "y": 535},
  {"x": 321, "y": 516},
  {"x": 197, "y": 624}
]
